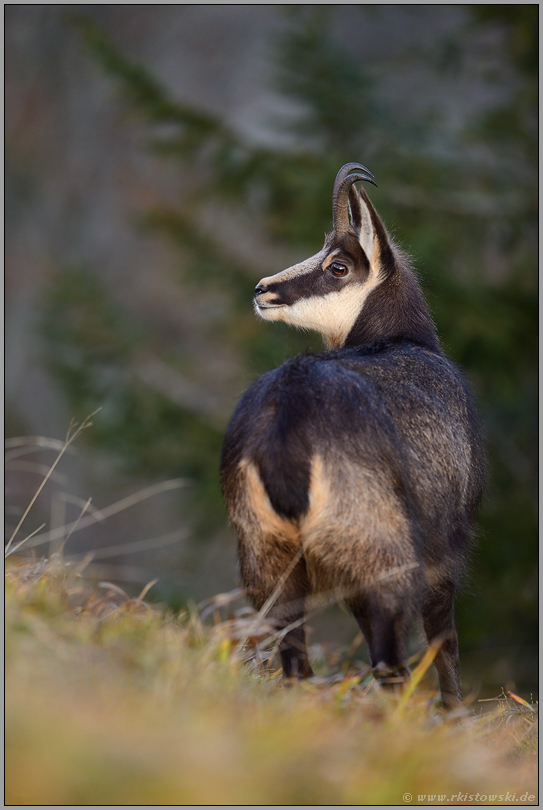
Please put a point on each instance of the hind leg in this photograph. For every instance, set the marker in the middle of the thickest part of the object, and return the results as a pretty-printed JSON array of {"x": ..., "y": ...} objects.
[
  {"x": 293, "y": 652},
  {"x": 262, "y": 575},
  {"x": 288, "y": 617},
  {"x": 438, "y": 621},
  {"x": 385, "y": 632}
]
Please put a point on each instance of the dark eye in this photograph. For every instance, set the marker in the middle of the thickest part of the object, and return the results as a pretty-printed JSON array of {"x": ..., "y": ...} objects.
[{"x": 339, "y": 269}]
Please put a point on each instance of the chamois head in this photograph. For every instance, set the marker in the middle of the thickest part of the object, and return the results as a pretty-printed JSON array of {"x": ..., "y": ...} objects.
[{"x": 359, "y": 288}]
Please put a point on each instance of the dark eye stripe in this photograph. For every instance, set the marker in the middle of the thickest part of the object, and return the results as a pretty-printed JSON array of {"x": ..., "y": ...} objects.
[{"x": 297, "y": 287}]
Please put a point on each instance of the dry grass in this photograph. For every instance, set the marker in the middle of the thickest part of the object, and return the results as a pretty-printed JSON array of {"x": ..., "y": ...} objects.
[
  {"x": 110, "y": 700},
  {"x": 113, "y": 701}
]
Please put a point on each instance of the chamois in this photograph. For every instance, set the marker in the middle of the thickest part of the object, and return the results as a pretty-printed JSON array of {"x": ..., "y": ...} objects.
[{"x": 356, "y": 471}]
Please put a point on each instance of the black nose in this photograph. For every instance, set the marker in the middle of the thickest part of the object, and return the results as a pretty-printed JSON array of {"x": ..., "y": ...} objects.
[{"x": 259, "y": 290}]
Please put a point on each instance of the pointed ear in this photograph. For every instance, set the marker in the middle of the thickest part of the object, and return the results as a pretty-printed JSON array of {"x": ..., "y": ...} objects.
[
  {"x": 361, "y": 221},
  {"x": 355, "y": 209},
  {"x": 371, "y": 232}
]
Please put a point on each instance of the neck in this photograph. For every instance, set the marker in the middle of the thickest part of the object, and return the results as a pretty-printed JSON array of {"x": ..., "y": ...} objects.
[{"x": 395, "y": 309}]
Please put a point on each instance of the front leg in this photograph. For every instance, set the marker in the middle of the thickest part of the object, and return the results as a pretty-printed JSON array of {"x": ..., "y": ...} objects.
[{"x": 438, "y": 621}]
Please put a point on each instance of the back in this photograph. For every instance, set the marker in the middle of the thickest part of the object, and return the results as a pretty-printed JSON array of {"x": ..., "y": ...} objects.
[{"x": 397, "y": 407}]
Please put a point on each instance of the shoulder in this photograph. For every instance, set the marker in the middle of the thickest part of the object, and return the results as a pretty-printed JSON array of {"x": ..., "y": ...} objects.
[{"x": 387, "y": 366}]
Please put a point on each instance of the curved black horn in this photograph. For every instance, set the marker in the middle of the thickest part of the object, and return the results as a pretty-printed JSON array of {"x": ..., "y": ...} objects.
[
  {"x": 342, "y": 184},
  {"x": 344, "y": 171}
]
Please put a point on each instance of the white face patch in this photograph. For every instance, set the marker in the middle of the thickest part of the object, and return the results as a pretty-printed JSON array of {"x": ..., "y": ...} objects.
[
  {"x": 265, "y": 307},
  {"x": 332, "y": 315}
]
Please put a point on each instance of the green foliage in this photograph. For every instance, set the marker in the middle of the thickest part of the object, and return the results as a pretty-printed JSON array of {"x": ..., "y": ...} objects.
[
  {"x": 462, "y": 201},
  {"x": 312, "y": 68},
  {"x": 521, "y": 21},
  {"x": 91, "y": 345}
]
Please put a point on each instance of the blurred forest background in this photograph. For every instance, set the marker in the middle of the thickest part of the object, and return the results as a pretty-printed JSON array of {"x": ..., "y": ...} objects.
[{"x": 159, "y": 160}]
